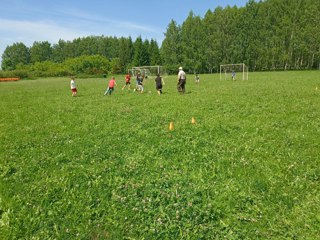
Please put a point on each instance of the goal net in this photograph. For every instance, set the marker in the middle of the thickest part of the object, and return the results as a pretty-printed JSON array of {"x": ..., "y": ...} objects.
[
  {"x": 147, "y": 71},
  {"x": 234, "y": 71}
]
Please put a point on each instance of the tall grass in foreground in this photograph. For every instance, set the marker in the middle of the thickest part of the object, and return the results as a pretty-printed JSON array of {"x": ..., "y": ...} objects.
[{"x": 107, "y": 167}]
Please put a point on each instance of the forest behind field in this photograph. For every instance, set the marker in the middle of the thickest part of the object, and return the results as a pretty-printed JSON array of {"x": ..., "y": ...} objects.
[{"x": 265, "y": 35}]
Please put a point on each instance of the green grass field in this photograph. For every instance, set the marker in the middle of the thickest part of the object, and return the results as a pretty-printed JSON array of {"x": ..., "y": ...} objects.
[{"x": 107, "y": 167}]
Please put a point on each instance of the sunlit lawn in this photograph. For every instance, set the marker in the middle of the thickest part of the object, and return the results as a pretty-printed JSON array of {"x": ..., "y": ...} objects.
[{"x": 108, "y": 167}]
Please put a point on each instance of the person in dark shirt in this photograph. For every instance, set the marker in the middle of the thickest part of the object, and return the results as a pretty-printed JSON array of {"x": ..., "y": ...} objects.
[
  {"x": 233, "y": 75},
  {"x": 159, "y": 82},
  {"x": 139, "y": 86}
]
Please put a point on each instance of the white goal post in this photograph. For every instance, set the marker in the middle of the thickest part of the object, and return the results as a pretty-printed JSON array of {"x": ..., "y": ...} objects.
[
  {"x": 232, "y": 70},
  {"x": 148, "y": 70}
]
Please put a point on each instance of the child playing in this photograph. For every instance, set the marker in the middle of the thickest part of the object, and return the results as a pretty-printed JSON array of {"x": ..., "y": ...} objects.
[
  {"x": 111, "y": 85},
  {"x": 159, "y": 82},
  {"x": 197, "y": 78},
  {"x": 128, "y": 78},
  {"x": 233, "y": 75},
  {"x": 139, "y": 86},
  {"x": 73, "y": 87}
]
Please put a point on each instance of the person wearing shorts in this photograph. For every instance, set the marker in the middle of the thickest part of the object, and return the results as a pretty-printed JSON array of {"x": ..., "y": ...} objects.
[
  {"x": 159, "y": 82},
  {"x": 139, "y": 86},
  {"x": 73, "y": 87},
  {"x": 233, "y": 75},
  {"x": 112, "y": 84},
  {"x": 128, "y": 83}
]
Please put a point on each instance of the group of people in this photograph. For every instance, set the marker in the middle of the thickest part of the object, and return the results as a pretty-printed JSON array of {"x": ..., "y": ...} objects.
[
  {"x": 181, "y": 83},
  {"x": 139, "y": 83}
]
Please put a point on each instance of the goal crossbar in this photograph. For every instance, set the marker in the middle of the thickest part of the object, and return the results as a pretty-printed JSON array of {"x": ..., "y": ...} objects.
[
  {"x": 147, "y": 70},
  {"x": 233, "y": 69}
]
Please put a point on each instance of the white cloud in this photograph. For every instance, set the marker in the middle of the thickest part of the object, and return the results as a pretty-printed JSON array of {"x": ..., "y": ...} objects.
[
  {"x": 27, "y": 32},
  {"x": 68, "y": 25},
  {"x": 100, "y": 21},
  {"x": 37, "y": 31}
]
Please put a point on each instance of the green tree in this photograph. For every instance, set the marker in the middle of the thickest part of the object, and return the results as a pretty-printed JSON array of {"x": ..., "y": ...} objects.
[
  {"x": 219, "y": 37},
  {"x": 17, "y": 54},
  {"x": 48, "y": 69},
  {"x": 40, "y": 52},
  {"x": 305, "y": 43},
  {"x": 171, "y": 47},
  {"x": 192, "y": 43},
  {"x": 95, "y": 64},
  {"x": 211, "y": 42},
  {"x": 125, "y": 53},
  {"x": 86, "y": 46},
  {"x": 63, "y": 50},
  {"x": 138, "y": 52},
  {"x": 115, "y": 65},
  {"x": 145, "y": 61},
  {"x": 155, "y": 57},
  {"x": 108, "y": 47},
  {"x": 250, "y": 35}
]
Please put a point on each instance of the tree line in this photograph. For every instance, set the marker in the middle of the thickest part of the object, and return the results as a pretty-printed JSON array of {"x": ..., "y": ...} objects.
[
  {"x": 88, "y": 55},
  {"x": 265, "y": 35}
]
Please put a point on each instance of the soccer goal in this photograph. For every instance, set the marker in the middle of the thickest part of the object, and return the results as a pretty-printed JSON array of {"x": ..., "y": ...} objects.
[
  {"x": 231, "y": 71},
  {"x": 148, "y": 70}
]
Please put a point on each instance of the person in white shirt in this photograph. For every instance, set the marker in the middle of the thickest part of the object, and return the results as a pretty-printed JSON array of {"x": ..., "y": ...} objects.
[
  {"x": 73, "y": 87},
  {"x": 181, "y": 81}
]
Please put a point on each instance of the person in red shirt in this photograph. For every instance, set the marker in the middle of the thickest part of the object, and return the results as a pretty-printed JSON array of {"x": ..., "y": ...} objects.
[
  {"x": 128, "y": 78},
  {"x": 112, "y": 84}
]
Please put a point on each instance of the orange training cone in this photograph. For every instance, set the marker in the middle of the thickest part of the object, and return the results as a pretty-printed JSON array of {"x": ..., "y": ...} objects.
[
  {"x": 193, "y": 121},
  {"x": 171, "y": 126}
]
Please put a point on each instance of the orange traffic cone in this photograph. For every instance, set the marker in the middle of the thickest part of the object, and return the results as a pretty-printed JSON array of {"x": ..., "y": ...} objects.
[
  {"x": 193, "y": 121},
  {"x": 171, "y": 126}
]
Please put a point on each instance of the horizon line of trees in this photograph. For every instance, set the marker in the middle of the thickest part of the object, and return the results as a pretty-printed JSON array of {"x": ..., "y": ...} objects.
[
  {"x": 265, "y": 35},
  {"x": 88, "y": 55}
]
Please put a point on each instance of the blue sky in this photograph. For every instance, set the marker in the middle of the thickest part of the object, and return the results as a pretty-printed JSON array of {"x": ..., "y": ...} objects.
[{"x": 50, "y": 20}]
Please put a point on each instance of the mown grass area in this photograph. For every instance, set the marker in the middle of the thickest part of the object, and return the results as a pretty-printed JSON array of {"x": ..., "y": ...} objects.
[{"x": 107, "y": 167}]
